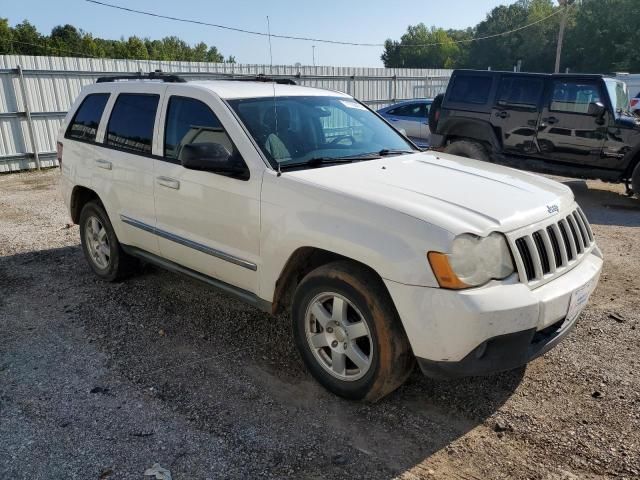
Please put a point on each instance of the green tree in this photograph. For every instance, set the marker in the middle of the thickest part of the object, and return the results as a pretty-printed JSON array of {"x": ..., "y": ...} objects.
[
  {"x": 67, "y": 40},
  {"x": 6, "y": 35},
  {"x": 136, "y": 48},
  {"x": 434, "y": 48},
  {"x": 27, "y": 40},
  {"x": 604, "y": 37},
  {"x": 199, "y": 52},
  {"x": 213, "y": 55}
]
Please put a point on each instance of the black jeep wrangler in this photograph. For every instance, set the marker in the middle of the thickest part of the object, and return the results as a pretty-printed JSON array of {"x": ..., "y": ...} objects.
[{"x": 570, "y": 125}]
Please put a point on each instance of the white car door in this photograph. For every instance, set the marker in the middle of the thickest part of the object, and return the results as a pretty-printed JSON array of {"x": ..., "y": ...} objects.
[
  {"x": 123, "y": 171},
  {"x": 208, "y": 222}
]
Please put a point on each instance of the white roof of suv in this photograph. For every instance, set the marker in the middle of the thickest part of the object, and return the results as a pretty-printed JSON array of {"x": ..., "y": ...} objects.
[
  {"x": 226, "y": 89},
  {"x": 246, "y": 89}
]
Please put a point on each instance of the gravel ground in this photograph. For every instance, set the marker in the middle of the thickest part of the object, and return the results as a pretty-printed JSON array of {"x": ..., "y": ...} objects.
[{"x": 103, "y": 380}]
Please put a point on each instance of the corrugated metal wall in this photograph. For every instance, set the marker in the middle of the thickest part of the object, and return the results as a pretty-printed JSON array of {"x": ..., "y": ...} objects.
[{"x": 35, "y": 92}]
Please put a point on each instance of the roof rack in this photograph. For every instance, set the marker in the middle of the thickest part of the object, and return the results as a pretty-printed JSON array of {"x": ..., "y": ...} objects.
[
  {"x": 157, "y": 75},
  {"x": 261, "y": 77}
]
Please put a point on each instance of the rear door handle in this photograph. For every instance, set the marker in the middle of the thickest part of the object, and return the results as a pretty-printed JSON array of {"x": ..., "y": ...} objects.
[
  {"x": 502, "y": 114},
  {"x": 552, "y": 120},
  {"x": 103, "y": 164},
  {"x": 168, "y": 182}
]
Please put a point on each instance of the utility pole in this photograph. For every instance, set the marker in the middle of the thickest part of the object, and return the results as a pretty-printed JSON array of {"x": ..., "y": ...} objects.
[
  {"x": 313, "y": 53},
  {"x": 563, "y": 24}
]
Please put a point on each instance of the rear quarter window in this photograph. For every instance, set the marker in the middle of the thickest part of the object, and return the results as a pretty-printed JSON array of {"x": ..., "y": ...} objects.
[
  {"x": 85, "y": 122},
  {"x": 473, "y": 89}
]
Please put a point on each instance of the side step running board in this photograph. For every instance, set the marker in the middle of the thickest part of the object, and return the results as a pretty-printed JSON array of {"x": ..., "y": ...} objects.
[{"x": 240, "y": 294}]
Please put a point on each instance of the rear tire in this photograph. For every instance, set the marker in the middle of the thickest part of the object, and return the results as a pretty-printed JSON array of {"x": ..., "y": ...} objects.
[
  {"x": 348, "y": 332},
  {"x": 635, "y": 180},
  {"x": 101, "y": 247},
  {"x": 468, "y": 149},
  {"x": 434, "y": 113}
]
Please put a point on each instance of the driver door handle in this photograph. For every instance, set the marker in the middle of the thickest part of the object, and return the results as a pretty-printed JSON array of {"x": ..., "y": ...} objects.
[
  {"x": 550, "y": 120},
  {"x": 168, "y": 182},
  {"x": 100, "y": 163},
  {"x": 502, "y": 114}
]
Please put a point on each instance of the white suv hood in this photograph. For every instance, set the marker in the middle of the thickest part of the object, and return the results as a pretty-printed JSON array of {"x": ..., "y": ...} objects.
[{"x": 455, "y": 193}]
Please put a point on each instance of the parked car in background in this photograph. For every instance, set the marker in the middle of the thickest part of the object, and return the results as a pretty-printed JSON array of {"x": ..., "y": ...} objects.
[
  {"x": 303, "y": 200},
  {"x": 412, "y": 116},
  {"x": 572, "y": 125}
]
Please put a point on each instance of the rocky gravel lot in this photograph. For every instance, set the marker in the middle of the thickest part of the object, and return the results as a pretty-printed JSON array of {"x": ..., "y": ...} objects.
[{"x": 101, "y": 381}]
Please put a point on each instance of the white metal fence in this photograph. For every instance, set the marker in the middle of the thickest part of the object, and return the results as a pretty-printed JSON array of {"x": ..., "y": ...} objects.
[{"x": 36, "y": 92}]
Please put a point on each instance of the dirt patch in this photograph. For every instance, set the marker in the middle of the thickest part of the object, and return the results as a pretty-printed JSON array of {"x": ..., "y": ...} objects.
[{"x": 103, "y": 380}]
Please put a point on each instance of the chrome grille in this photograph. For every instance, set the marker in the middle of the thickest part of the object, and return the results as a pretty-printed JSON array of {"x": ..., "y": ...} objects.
[{"x": 545, "y": 252}]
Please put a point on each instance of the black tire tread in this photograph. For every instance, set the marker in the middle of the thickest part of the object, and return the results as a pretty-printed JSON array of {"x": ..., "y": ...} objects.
[
  {"x": 395, "y": 360},
  {"x": 121, "y": 264}
]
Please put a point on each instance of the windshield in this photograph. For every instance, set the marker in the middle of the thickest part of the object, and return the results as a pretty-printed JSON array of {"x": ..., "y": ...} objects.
[
  {"x": 301, "y": 130},
  {"x": 619, "y": 96}
]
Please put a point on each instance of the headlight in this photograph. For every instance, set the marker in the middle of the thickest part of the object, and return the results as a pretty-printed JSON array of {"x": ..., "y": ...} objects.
[{"x": 473, "y": 261}]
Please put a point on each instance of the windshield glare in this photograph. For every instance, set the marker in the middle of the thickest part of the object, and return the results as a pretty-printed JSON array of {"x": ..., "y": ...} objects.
[
  {"x": 619, "y": 95},
  {"x": 292, "y": 130}
]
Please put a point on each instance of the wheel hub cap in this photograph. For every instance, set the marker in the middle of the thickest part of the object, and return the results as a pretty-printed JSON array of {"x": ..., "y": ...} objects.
[
  {"x": 97, "y": 242},
  {"x": 339, "y": 336}
]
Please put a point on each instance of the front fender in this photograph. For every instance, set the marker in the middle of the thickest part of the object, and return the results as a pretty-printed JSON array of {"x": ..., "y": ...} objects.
[{"x": 296, "y": 215}]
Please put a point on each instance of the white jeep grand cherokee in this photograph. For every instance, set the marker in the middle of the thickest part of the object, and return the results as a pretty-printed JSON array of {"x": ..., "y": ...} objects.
[{"x": 302, "y": 199}]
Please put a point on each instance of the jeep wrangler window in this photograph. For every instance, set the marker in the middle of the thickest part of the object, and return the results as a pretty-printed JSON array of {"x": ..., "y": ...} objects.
[
  {"x": 131, "y": 123},
  {"x": 191, "y": 121},
  {"x": 520, "y": 92},
  {"x": 574, "y": 97},
  {"x": 303, "y": 130},
  {"x": 470, "y": 89},
  {"x": 84, "y": 125}
]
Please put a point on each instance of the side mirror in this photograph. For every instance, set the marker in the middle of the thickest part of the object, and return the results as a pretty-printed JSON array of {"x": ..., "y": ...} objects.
[
  {"x": 596, "y": 109},
  {"x": 403, "y": 132},
  {"x": 211, "y": 157}
]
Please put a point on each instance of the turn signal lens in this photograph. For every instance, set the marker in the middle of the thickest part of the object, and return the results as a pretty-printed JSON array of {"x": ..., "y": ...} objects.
[{"x": 444, "y": 273}]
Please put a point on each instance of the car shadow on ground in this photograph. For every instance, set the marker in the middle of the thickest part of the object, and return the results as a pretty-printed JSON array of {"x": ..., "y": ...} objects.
[
  {"x": 605, "y": 204},
  {"x": 232, "y": 372}
]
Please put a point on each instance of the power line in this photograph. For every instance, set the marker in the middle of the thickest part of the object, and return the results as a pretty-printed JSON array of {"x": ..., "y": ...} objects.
[
  {"x": 310, "y": 39},
  {"x": 64, "y": 50}
]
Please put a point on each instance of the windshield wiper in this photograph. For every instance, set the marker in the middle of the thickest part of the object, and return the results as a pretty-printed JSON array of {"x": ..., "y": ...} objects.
[
  {"x": 385, "y": 152},
  {"x": 318, "y": 161}
]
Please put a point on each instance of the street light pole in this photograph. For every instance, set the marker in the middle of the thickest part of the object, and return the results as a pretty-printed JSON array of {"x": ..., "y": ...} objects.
[{"x": 563, "y": 24}]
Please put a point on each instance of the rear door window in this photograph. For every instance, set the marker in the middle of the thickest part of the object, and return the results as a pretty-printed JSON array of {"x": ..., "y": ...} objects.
[
  {"x": 84, "y": 125},
  {"x": 520, "y": 92},
  {"x": 470, "y": 89},
  {"x": 131, "y": 124}
]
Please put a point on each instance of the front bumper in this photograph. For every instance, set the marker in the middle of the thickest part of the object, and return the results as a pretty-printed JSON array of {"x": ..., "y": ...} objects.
[{"x": 490, "y": 329}]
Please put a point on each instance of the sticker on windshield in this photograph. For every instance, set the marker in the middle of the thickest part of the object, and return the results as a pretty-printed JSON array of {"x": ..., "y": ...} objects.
[{"x": 351, "y": 104}]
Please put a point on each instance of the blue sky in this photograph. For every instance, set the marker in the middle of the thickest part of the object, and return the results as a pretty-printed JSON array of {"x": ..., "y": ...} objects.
[{"x": 365, "y": 21}]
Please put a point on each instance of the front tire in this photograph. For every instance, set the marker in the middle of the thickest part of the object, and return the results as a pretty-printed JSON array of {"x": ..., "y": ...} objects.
[
  {"x": 100, "y": 245},
  {"x": 348, "y": 332},
  {"x": 468, "y": 149}
]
